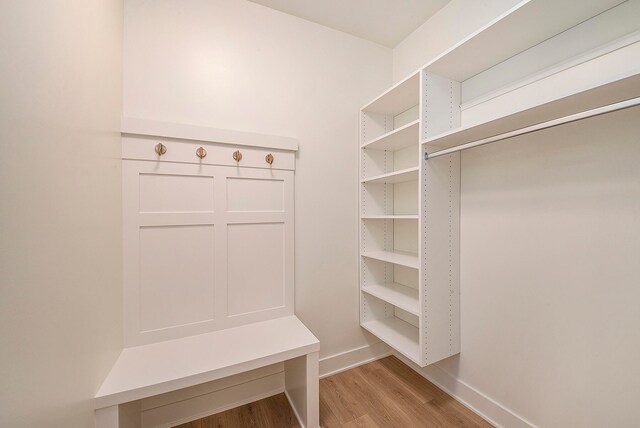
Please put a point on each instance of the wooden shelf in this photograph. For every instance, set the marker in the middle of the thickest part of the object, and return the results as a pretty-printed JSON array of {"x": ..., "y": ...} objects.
[
  {"x": 581, "y": 105},
  {"x": 529, "y": 19},
  {"x": 399, "y": 98},
  {"x": 390, "y": 217},
  {"x": 400, "y": 176},
  {"x": 400, "y": 335},
  {"x": 397, "y": 139},
  {"x": 401, "y": 258},
  {"x": 399, "y": 295}
]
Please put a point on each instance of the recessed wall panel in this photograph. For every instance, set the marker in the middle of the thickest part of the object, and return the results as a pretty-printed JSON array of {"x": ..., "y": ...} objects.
[
  {"x": 176, "y": 276},
  {"x": 255, "y": 267},
  {"x": 176, "y": 193},
  {"x": 251, "y": 194}
]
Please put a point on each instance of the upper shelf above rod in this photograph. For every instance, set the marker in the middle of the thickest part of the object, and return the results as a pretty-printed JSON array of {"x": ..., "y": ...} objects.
[{"x": 618, "y": 95}]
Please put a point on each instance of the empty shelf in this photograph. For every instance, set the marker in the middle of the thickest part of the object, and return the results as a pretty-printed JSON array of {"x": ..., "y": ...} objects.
[
  {"x": 589, "y": 103},
  {"x": 401, "y": 258},
  {"x": 399, "y": 176},
  {"x": 530, "y": 20},
  {"x": 397, "y": 139},
  {"x": 398, "y": 295},
  {"x": 391, "y": 217},
  {"x": 398, "y": 99},
  {"x": 400, "y": 335}
]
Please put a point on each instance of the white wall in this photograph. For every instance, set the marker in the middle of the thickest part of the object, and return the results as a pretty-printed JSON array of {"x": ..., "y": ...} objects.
[
  {"x": 60, "y": 209},
  {"x": 238, "y": 65},
  {"x": 455, "y": 21},
  {"x": 550, "y": 243}
]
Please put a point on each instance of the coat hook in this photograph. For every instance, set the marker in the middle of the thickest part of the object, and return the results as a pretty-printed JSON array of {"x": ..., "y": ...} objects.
[{"x": 161, "y": 149}]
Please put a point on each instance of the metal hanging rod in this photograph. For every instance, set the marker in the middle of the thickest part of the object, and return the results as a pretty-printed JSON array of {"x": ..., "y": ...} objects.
[{"x": 540, "y": 126}]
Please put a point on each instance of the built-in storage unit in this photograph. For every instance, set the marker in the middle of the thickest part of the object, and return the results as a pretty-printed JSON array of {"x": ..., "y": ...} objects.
[
  {"x": 208, "y": 273},
  {"x": 208, "y": 231},
  {"x": 398, "y": 303},
  {"x": 411, "y": 137}
]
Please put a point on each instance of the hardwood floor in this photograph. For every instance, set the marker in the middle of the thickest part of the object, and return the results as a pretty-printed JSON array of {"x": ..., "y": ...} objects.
[{"x": 382, "y": 394}]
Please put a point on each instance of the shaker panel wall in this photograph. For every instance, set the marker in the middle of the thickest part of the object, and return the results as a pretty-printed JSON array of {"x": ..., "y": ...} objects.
[{"x": 206, "y": 247}]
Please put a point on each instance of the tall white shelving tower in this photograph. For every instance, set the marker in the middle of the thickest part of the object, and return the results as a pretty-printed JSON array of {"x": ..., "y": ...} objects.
[
  {"x": 398, "y": 302},
  {"x": 411, "y": 137}
]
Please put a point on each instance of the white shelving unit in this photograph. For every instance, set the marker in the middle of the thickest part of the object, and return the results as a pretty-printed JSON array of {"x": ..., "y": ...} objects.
[
  {"x": 399, "y": 295},
  {"x": 389, "y": 217},
  {"x": 410, "y": 142},
  {"x": 400, "y": 335},
  {"x": 400, "y": 258},
  {"x": 400, "y": 176}
]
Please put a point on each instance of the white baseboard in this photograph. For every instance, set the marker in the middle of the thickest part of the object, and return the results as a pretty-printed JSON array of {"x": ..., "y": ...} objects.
[
  {"x": 484, "y": 406},
  {"x": 353, "y": 358}
]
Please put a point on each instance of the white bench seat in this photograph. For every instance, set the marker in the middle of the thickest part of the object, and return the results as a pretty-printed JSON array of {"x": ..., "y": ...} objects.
[{"x": 148, "y": 370}]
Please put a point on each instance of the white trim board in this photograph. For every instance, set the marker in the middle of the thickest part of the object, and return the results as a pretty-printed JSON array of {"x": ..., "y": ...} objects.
[
  {"x": 490, "y": 410},
  {"x": 154, "y": 128},
  {"x": 334, "y": 364}
]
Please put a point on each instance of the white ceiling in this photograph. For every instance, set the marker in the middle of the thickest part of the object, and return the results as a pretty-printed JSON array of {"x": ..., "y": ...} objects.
[{"x": 386, "y": 22}]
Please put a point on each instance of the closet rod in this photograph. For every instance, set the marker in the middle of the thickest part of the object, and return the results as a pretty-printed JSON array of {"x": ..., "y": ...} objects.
[{"x": 540, "y": 126}]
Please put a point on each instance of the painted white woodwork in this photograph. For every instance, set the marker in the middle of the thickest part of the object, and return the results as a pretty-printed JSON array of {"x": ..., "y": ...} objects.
[
  {"x": 400, "y": 335},
  {"x": 138, "y": 147},
  {"x": 440, "y": 249},
  {"x": 540, "y": 126},
  {"x": 398, "y": 99},
  {"x": 570, "y": 94},
  {"x": 250, "y": 194},
  {"x": 399, "y": 138},
  {"x": 390, "y": 217},
  {"x": 399, "y": 298},
  {"x": 273, "y": 373},
  {"x": 158, "y": 368},
  {"x": 401, "y": 258},
  {"x": 389, "y": 170},
  {"x": 208, "y": 274},
  {"x": 176, "y": 276},
  {"x": 399, "y": 295},
  {"x": 604, "y": 33},
  {"x": 190, "y": 404},
  {"x": 530, "y": 20},
  {"x": 440, "y": 102},
  {"x": 153, "y": 128},
  {"x": 594, "y": 81},
  {"x": 405, "y": 198},
  {"x": 303, "y": 388},
  {"x": 598, "y": 82},
  {"x": 206, "y": 247},
  {"x": 255, "y": 268},
  {"x": 407, "y": 174}
]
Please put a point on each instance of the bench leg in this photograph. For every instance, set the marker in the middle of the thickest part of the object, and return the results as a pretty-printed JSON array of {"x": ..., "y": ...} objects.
[
  {"x": 301, "y": 380},
  {"x": 127, "y": 415}
]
